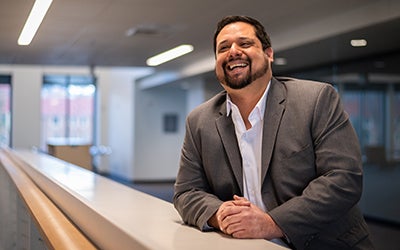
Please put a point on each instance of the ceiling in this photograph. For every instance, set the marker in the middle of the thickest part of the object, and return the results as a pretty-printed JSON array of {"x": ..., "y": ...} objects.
[{"x": 127, "y": 32}]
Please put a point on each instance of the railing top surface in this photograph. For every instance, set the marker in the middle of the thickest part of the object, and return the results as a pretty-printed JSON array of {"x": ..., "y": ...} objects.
[{"x": 116, "y": 216}]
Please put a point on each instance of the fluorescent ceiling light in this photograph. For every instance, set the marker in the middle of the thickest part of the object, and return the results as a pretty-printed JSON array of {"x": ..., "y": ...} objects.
[
  {"x": 34, "y": 20},
  {"x": 169, "y": 55},
  {"x": 280, "y": 61},
  {"x": 358, "y": 42}
]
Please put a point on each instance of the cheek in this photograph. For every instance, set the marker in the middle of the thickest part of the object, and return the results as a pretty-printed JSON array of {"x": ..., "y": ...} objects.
[
  {"x": 219, "y": 66},
  {"x": 259, "y": 61}
]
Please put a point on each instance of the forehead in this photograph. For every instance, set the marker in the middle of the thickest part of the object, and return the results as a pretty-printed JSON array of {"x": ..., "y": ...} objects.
[{"x": 234, "y": 30}]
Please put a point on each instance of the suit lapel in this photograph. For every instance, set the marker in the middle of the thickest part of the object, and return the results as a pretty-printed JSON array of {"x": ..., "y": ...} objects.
[
  {"x": 226, "y": 131},
  {"x": 274, "y": 110}
]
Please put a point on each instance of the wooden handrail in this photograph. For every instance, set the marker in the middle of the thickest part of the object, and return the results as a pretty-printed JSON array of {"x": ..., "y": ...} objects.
[{"x": 57, "y": 230}]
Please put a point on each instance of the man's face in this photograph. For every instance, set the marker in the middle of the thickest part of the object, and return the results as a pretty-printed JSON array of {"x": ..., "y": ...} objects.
[{"x": 240, "y": 58}]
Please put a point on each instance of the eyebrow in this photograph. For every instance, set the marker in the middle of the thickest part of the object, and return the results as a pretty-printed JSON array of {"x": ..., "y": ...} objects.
[{"x": 240, "y": 38}]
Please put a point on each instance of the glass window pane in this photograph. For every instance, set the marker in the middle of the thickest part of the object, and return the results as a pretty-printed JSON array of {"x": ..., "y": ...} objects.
[
  {"x": 351, "y": 102},
  {"x": 53, "y": 112},
  {"x": 5, "y": 114},
  {"x": 81, "y": 111},
  {"x": 396, "y": 125},
  {"x": 67, "y": 108},
  {"x": 373, "y": 118},
  {"x": 370, "y": 92}
]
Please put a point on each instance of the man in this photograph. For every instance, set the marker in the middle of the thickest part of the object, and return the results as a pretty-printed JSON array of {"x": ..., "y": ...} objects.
[{"x": 270, "y": 157}]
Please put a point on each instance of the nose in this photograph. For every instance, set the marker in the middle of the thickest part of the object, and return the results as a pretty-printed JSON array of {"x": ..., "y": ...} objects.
[{"x": 234, "y": 50}]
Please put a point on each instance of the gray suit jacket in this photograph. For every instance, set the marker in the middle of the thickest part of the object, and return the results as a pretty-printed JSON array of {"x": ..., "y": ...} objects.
[{"x": 311, "y": 165}]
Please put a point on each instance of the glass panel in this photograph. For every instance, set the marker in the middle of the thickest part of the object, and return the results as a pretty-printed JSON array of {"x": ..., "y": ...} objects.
[
  {"x": 5, "y": 114},
  {"x": 366, "y": 108},
  {"x": 373, "y": 118},
  {"x": 81, "y": 111},
  {"x": 67, "y": 108},
  {"x": 370, "y": 92},
  {"x": 54, "y": 105},
  {"x": 351, "y": 102},
  {"x": 396, "y": 125}
]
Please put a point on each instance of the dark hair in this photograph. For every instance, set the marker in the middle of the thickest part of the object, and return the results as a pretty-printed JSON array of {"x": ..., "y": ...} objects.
[{"x": 258, "y": 28}]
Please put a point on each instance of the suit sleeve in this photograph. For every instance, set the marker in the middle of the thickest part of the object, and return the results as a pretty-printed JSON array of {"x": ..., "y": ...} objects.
[
  {"x": 337, "y": 165},
  {"x": 192, "y": 197}
]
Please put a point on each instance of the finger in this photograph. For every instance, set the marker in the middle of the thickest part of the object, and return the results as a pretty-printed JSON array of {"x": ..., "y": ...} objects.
[
  {"x": 237, "y": 197},
  {"x": 228, "y": 224},
  {"x": 228, "y": 211},
  {"x": 222, "y": 214},
  {"x": 235, "y": 229},
  {"x": 240, "y": 234},
  {"x": 241, "y": 201}
]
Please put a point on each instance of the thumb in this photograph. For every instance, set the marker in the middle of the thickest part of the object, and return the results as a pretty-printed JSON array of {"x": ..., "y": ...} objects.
[
  {"x": 238, "y": 198},
  {"x": 240, "y": 201}
]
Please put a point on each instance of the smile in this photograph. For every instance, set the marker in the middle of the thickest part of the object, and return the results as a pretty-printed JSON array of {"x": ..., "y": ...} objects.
[{"x": 237, "y": 65}]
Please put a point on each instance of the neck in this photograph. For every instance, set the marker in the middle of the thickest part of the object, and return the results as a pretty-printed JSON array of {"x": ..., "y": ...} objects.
[{"x": 247, "y": 98}]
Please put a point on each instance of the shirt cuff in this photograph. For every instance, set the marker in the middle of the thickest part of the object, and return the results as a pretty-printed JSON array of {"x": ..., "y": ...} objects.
[{"x": 207, "y": 228}]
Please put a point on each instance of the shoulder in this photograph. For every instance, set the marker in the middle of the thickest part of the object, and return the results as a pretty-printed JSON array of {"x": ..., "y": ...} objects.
[
  {"x": 212, "y": 108},
  {"x": 290, "y": 82},
  {"x": 302, "y": 88}
]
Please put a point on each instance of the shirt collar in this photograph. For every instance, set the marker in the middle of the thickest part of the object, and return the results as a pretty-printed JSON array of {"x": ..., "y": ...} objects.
[{"x": 259, "y": 106}]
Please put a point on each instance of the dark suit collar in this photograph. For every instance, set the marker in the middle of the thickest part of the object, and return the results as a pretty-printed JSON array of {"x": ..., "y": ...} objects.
[
  {"x": 274, "y": 111},
  {"x": 226, "y": 130}
]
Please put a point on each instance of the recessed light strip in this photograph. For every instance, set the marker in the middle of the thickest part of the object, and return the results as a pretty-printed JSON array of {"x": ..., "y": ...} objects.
[
  {"x": 169, "y": 55},
  {"x": 34, "y": 20},
  {"x": 281, "y": 61},
  {"x": 358, "y": 42}
]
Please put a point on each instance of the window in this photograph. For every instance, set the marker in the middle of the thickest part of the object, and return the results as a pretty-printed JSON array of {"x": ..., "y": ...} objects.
[
  {"x": 370, "y": 92},
  {"x": 366, "y": 107},
  {"x": 5, "y": 110},
  {"x": 67, "y": 108},
  {"x": 396, "y": 124}
]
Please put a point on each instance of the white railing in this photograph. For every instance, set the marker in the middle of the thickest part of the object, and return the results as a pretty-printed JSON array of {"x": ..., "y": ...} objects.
[
  {"x": 109, "y": 214},
  {"x": 29, "y": 219}
]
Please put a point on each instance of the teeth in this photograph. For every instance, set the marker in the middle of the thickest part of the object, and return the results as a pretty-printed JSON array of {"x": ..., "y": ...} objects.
[{"x": 237, "y": 65}]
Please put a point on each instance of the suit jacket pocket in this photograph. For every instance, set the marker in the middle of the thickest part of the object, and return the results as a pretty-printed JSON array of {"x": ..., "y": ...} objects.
[{"x": 294, "y": 170}]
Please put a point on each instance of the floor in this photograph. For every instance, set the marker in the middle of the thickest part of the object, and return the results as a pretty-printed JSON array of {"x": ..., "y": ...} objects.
[{"x": 385, "y": 235}]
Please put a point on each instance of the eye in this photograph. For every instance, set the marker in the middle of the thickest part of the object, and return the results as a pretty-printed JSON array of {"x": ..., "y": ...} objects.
[
  {"x": 222, "y": 48},
  {"x": 246, "y": 44}
]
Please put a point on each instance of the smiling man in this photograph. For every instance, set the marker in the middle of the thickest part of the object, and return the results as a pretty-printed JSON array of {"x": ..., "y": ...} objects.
[{"x": 272, "y": 158}]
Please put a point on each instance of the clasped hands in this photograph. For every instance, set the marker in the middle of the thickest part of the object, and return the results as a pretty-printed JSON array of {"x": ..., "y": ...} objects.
[{"x": 242, "y": 219}]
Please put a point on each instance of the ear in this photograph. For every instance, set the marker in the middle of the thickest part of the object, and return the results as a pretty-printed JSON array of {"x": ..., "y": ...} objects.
[{"x": 269, "y": 52}]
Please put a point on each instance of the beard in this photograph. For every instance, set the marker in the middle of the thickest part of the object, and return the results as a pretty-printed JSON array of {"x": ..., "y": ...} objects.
[{"x": 240, "y": 83}]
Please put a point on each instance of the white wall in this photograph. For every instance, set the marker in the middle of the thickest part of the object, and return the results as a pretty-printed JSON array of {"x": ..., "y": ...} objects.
[
  {"x": 26, "y": 89},
  {"x": 195, "y": 92},
  {"x": 157, "y": 152},
  {"x": 115, "y": 121}
]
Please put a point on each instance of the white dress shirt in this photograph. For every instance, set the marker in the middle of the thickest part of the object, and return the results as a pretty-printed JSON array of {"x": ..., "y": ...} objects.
[{"x": 250, "y": 144}]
